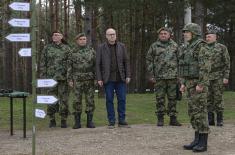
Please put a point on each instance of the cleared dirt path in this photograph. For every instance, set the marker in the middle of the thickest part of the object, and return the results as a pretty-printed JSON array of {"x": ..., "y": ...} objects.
[{"x": 137, "y": 140}]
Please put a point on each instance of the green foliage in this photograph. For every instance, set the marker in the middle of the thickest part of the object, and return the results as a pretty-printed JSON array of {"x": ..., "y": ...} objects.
[
  {"x": 136, "y": 22},
  {"x": 140, "y": 110}
]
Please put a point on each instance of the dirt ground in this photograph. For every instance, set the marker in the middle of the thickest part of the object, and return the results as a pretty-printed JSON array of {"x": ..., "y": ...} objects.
[{"x": 144, "y": 139}]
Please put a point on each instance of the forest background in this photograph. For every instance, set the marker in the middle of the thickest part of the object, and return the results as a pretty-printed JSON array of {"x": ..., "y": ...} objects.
[{"x": 136, "y": 22}]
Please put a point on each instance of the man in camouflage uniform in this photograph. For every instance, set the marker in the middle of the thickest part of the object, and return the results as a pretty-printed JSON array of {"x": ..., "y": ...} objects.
[
  {"x": 53, "y": 65},
  {"x": 194, "y": 67},
  {"x": 219, "y": 76},
  {"x": 82, "y": 75},
  {"x": 162, "y": 66}
]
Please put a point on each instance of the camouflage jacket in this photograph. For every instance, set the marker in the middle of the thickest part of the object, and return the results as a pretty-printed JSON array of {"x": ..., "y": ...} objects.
[
  {"x": 162, "y": 60},
  {"x": 54, "y": 61},
  {"x": 81, "y": 64},
  {"x": 194, "y": 62},
  {"x": 220, "y": 61}
]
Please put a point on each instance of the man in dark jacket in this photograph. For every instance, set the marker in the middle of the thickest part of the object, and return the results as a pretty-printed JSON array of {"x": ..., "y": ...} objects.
[{"x": 113, "y": 72}]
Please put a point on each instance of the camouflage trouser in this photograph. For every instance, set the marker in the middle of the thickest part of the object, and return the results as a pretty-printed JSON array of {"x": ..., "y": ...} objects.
[
  {"x": 215, "y": 96},
  {"x": 62, "y": 92},
  {"x": 197, "y": 106},
  {"x": 163, "y": 88},
  {"x": 88, "y": 88}
]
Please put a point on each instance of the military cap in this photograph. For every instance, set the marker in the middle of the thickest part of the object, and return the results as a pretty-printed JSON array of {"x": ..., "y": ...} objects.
[
  {"x": 164, "y": 29},
  {"x": 211, "y": 31},
  {"x": 193, "y": 28},
  {"x": 80, "y": 35}
]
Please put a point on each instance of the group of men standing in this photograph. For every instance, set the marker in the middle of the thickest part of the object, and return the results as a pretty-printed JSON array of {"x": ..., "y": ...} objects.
[
  {"x": 201, "y": 67},
  {"x": 79, "y": 68}
]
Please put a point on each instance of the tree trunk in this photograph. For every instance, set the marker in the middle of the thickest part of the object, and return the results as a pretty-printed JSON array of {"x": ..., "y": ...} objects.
[
  {"x": 94, "y": 27},
  {"x": 78, "y": 16},
  {"x": 7, "y": 48},
  {"x": 1, "y": 46},
  {"x": 68, "y": 17},
  {"x": 188, "y": 13},
  {"x": 52, "y": 16},
  {"x": 142, "y": 66},
  {"x": 88, "y": 21},
  {"x": 56, "y": 12},
  {"x": 65, "y": 19},
  {"x": 199, "y": 14}
]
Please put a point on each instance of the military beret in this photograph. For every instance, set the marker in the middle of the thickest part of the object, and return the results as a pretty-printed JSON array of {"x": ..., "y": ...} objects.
[
  {"x": 80, "y": 35},
  {"x": 211, "y": 31},
  {"x": 164, "y": 29}
]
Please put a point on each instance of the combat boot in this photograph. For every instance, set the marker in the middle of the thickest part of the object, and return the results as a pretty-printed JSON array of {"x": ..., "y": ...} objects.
[
  {"x": 202, "y": 144},
  {"x": 52, "y": 123},
  {"x": 90, "y": 124},
  {"x": 219, "y": 118},
  {"x": 77, "y": 120},
  {"x": 211, "y": 118},
  {"x": 174, "y": 121},
  {"x": 160, "y": 121},
  {"x": 63, "y": 124},
  {"x": 193, "y": 143}
]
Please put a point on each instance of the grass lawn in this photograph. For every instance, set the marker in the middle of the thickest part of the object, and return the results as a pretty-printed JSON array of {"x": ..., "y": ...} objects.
[{"x": 140, "y": 110}]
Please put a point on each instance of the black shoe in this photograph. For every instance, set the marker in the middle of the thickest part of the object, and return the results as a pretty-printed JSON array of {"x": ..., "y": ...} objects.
[
  {"x": 211, "y": 118},
  {"x": 160, "y": 121},
  {"x": 123, "y": 124},
  {"x": 111, "y": 125},
  {"x": 202, "y": 144},
  {"x": 174, "y": 121},
  {"x": 63, "y": 124},
  {"x": 220, "y": 119},
  {"x": 90, "y": 124},
  {"x": 52, "y": 123},
  {"x": 193, "y": 143},
  {"x": 77, "y": 120}
]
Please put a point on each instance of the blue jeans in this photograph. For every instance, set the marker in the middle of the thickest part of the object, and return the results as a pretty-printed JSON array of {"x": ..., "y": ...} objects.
[{"x": 120, "y": 89}]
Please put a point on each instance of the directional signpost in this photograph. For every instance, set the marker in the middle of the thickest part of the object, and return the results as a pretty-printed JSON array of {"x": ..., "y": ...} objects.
[
  {"x": 25, "y": 52},
  {"x": 19, "y": 6},
  {"x": 28, "y": 52},
  {"x": 47, "y": 99},
  {"x": 19, "y": 37},
  {"x": 40, "y": 113},
  {"x": 42, "y": 83},
  {"x": 19, "y": 22},
  {"x": 34, "y": 68}
]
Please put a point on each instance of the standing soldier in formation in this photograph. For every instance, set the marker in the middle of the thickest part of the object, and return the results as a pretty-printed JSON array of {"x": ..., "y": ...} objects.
[
  {"x": 194, "y": 68},
  {"x": 162, "y": 66},
  {"x": 219, "y": 76},
  {"x": 81, "y": 77},
  {"x": 54, "y": 65}
]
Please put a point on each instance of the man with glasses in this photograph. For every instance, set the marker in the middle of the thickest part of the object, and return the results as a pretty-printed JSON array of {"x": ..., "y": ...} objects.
[{"x": 113, "y": 72}]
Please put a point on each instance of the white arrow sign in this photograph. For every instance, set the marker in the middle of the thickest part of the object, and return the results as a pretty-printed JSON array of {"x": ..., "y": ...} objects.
[
  {"x": 18, "y": 6},
  {"x": 19, "y": 37},
  {"x": 40, "y": 113},
  {"x": 25, "y": 52},
  {"x": 46, "y": 99},
  {"x": 19, "y": 22},
  {"x": 41, "y": 83}
]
